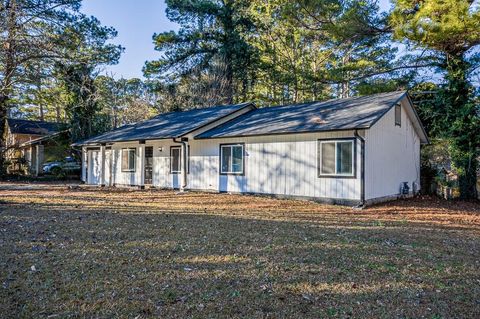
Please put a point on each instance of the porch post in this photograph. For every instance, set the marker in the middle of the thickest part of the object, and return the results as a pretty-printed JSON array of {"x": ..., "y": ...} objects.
[
  {"x": 30, "y": 159},
  {"x": 141, "y": 151},
  {"x": 84, "y": 165},
  {"x": 37, "y": 159},
  {"x": 184, "y": 163},
  {"x": 102, "y": 171}
]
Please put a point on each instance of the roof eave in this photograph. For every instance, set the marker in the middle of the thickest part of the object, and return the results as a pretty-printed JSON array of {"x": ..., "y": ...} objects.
[
  {"x": 284, "y": 133},
  {"x": 426, "y": 140}
]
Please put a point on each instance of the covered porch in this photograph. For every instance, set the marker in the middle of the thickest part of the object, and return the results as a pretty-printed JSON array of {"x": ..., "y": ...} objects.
[{"x": 143, "y": 164}]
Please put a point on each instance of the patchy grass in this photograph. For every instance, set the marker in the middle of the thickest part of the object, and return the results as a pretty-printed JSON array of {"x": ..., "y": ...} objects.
[{"x": 118, "y": 253}]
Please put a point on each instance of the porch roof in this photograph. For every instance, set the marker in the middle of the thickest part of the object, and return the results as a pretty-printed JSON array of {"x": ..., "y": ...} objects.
[{"x": 166, "y": 125}]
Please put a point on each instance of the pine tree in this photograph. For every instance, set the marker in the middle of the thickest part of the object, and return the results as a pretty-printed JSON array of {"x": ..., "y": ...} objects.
[
  {"x": 86, "y": 44},
  {"x": 211, "y": 43},
  {"x": 450, "y": 31}
]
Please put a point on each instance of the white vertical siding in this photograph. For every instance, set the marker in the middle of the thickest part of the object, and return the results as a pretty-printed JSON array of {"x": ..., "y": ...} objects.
[
  {"x": 277, "y": 164},
  {"x": 204, "y": 165},
  {"x": 94, "y": 167},
  {"x": 120, "y": 177},
  {"x": 161, "y": 176},
  {"x": 108, "y": 167},
  {"x": 392, "y": 156}
]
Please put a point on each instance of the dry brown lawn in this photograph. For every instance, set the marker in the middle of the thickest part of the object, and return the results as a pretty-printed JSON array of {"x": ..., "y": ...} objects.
[{"x": 141, "y": 254}]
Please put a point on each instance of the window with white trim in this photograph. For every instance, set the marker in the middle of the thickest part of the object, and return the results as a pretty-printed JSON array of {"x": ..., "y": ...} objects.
[
  {"x": 129, "y": 156},
  {"x": 231, "y": 159},
  {"x": 175, "y": 160},
  {"x": 398, "y": 115},
  {"x": 336, "y": 158}
]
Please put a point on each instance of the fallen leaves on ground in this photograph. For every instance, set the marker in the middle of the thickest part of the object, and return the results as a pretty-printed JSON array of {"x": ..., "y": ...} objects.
[{"x": 84, "y": 252}]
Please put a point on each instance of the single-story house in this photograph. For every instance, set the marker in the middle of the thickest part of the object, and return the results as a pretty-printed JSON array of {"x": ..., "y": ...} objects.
[
  {"x": 351, "y": 151},
  {"x": 21, "y": 149}
]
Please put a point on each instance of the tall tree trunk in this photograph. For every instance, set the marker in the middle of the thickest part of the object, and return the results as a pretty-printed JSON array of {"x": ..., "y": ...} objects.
[
  {"x": 41, "y": 111},
  {"x": 345, "y": 86},
  {"x": 229, "y": 51},
  {"x": 462, "y": 124},
  {"x": 6, "y": 83},
  {"x": 58, "y": 112},
  {"x": 229, "y": 80},
  {"x": 115, "y": 116}
]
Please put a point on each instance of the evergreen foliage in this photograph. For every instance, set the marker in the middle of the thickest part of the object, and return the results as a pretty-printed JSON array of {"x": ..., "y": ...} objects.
[
  {"x": 267, "y": 51},
  {"x": 450, "y": 31}
]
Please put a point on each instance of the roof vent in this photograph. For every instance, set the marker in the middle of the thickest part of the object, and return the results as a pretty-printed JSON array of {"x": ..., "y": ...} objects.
[{"x": 317, "y": 120}]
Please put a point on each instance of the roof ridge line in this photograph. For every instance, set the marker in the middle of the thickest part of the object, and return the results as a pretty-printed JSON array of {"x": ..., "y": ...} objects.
[{"x": 331, "y": 100}]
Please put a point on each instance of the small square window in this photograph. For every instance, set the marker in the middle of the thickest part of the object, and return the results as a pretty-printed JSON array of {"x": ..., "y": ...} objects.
[
  {"x": 398, "y": 115},
  {"x": 232, "y": 159},
  {"x": 336, "y": 158}
]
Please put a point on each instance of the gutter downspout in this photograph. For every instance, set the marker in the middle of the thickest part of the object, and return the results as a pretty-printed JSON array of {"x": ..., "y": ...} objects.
[
  {"x": 362, "y": 169},
  {"x": 184, "y": 142}
]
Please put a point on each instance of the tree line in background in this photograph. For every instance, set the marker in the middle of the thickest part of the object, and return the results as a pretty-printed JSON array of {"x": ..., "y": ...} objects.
[{"x": 268, "y": 51}]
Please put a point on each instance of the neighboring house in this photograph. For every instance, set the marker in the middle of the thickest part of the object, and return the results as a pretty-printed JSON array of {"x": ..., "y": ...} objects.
[
  {"x": 21, "y": 149},
  {"x": 350, "y": 151}
]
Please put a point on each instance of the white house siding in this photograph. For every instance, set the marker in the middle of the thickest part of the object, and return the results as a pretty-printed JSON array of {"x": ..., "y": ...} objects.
[
  {"x": 108, "y": 168},
  {"x": 94, "y": 167},
  {"x": 161, "y": 176},
  {"x": 277, "y": 164},
  {"x": 282, "y": 164},
  {"x": 161, "y": 165},
  {"x": 392, "y": 156}
]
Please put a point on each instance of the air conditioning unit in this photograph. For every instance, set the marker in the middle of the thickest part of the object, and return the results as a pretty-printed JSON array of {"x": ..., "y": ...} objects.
[{"x": 405, "y": 189}]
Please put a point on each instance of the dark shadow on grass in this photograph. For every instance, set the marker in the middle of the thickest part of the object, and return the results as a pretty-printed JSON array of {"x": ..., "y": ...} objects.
[{"x": 91, "y": 262}]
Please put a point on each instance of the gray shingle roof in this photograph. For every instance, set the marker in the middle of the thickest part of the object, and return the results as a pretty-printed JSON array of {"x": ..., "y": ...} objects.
[
  {"x": 19, "y": 126},
  {"x": 166, "y": 125},
  {"x": 339, "y": 114}
]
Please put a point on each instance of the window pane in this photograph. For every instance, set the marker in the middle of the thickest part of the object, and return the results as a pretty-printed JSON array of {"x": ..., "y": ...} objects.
[
  {"x": 398, "y": 115},
  {"x": 131, "y": 159},
  {"x": 226, "y": 158},
  {"x": 237, "y": 159},
  {"x": 328, "y": 158},
  {"x": 344, "y": 158},
  {"x": 124, "y": 160},
  {"x": 175, "y": 159}
]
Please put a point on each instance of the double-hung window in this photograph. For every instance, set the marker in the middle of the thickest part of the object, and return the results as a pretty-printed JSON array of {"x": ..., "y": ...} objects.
[
  {"x": 129, "y": 156},
  {"x": 232, "y": 159},
  {"x": 336, "y": 158}
]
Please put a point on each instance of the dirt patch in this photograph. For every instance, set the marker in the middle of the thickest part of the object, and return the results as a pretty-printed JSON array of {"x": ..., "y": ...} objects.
[{"x": 123, "y": 253}]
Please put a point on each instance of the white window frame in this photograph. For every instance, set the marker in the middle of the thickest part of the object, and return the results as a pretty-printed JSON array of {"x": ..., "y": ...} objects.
[
  {"x": 230, "y": 168},
  {"x": 128, "y": 150},
  {"x": 179, "y": 160},
  {"x": 398, "y": 121},
  {"x": 320, "y": 159}
]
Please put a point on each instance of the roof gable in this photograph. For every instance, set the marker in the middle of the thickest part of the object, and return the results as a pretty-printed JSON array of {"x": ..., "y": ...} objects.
[{"x": 415, "y": 119}]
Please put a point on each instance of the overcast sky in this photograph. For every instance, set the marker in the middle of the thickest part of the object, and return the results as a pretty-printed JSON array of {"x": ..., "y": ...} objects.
[{"x": 136, "y": 21}]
